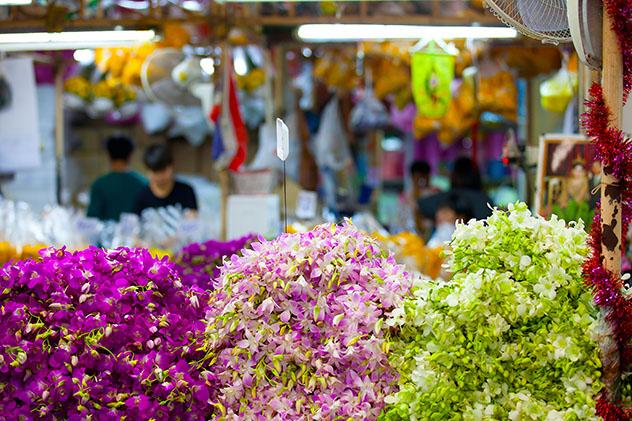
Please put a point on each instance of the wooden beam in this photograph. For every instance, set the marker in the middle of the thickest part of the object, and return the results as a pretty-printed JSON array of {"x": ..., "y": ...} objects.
[
  {"x": 400, "y": 20},
  {"x": 287, "y": 21},
  {"x": 101, "y": 23}
]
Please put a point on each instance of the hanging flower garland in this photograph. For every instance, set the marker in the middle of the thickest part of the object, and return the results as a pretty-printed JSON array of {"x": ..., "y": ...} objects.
[
  {"x": 615, "y": 152},
  {"x": 621, "y": 12}
]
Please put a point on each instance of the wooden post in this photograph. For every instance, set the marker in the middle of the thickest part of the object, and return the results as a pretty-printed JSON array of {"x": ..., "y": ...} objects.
[
  {"x": 59, "y": 129},
  {"x": 100, "y": 9},
  {"x": 364, "y": 9},
  {"x": 224, "y": 183},
  {"x": 279, "y": 78},
  {"x": 612, "y": 82}
]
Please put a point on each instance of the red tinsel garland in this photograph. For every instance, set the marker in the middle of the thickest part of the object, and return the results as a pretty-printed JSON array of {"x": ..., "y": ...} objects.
[
  {"x": 615, "y": 153},
  {"x": 621, "y": 12}
]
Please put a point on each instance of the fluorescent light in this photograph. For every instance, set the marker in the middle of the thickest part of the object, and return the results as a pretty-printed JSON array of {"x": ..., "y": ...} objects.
[
  {"x": 344, "y": 32},
  {"x": 15, "y": 2},
  {"x": 39, "y": 41}
]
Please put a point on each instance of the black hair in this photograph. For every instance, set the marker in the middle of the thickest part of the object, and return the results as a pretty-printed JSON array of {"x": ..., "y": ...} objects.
[
  {"x": 420, "y": 167},
  {"x": 120, "y": 147},
  {"x": 459, "y": 205},
  {"x": 465, "y": 175},
  {"x": 158, "y": 157}
]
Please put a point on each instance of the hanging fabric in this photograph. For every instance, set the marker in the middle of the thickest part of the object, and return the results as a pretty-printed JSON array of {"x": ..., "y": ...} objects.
[
  {"x": 432, "y": 70},
  {"x": 230, "y": 137}
]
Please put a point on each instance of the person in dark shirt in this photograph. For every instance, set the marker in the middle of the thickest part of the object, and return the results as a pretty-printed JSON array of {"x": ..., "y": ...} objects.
[
  {"x": 115, "y": 192},
  {"x": 163, "y": 189}
]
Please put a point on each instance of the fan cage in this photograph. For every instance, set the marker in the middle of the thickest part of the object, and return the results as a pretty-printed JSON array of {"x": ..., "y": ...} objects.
[{"x": 509, "y": 12}]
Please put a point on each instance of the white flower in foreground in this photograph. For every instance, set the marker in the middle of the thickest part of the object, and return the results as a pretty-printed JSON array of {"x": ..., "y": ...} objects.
[{"x": 512, "y": 336}]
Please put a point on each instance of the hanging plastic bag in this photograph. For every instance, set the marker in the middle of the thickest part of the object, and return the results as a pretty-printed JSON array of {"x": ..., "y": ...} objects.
[
  {"x": 253, "y": 107},
  {"x": 155, "y": 117},
  {"x": 331, "y": 146},
  {"x": 266, "y": 153},
  {"x": 558, "y": 91},
  {"x": 368, "y": 114},
  {"x": 190, "y": 123}
]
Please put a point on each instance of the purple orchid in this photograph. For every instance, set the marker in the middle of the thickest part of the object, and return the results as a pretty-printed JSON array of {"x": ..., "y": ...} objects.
[
  {"x": 295, "y": 327},
  {"x": 100, "y": 333}
]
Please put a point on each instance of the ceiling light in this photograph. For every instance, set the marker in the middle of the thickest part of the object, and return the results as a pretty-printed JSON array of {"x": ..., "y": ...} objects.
[
  {"x": 40, "y": 41},
  {"x": 15, "y": 2},
  {"x": 344, "y": 32}
]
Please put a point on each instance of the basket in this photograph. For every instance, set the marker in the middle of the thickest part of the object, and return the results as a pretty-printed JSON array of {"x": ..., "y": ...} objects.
[{"x": 253, "y": 182}]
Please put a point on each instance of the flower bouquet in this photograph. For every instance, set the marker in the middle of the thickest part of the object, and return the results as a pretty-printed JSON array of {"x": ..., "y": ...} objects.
[
  {"x": 199, "y": 263},
  {"x": 11, "y": 253},
  {"x": 295, "y": 329},
  {"x": 77, "y": 92},
  {"x": 512, "y": 336},
  {"x": 410, "y": 250},
  {"x": 101, "y": 335}
]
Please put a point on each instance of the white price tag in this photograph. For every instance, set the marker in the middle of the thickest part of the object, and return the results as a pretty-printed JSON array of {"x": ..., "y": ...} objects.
[{"x": 283, "y": 140}]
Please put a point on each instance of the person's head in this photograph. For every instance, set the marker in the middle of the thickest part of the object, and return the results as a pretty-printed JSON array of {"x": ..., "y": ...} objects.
[
  {"x": 159, "y": 161},
  {"x": 120, "y": 148},
  {"x": 446, "y": 215},
  {"x": 578, "y": 168},
  {"x": 420, "y": 172},
  {"x": 454, "y": 208},
  {"x": 465, "y": 175}
]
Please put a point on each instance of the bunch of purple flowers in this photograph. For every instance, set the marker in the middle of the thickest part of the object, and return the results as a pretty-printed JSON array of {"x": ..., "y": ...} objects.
[
  {"x": 198, "y": 263},
  {"x": 295, "y": 328},
  {"x": 100, "y": 333}
]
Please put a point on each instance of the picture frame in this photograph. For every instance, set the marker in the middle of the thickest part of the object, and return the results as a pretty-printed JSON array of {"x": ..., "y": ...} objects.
[{"x": 567, "y": 170}]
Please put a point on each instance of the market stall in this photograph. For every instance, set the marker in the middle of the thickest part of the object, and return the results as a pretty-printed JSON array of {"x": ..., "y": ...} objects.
[{"x": 315, "y": 210}]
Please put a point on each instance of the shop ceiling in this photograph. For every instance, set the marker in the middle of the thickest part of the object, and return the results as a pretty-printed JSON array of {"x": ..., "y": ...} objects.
[{"x": 154, "y": 14}]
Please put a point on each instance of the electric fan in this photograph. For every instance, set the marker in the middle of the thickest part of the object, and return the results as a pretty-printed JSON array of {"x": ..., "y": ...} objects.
[
  {"x": 545, "y": 20},
  {"x": 556, "y": 21},
  {"x": 585, "y": 19},
  {"x": 157, "y": 77}
]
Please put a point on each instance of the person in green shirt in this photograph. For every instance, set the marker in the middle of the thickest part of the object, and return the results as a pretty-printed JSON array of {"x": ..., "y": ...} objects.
[{"x": 115, "y": 192}]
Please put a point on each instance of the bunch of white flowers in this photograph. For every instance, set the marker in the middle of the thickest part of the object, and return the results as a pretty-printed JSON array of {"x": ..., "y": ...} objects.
[{"x": 512, "y": 336}]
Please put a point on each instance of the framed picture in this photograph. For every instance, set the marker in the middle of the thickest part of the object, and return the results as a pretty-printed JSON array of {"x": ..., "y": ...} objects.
[{"x": 567, "y": 172}]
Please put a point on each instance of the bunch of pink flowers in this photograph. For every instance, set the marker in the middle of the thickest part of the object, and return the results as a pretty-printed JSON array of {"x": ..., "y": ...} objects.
[{"x": 295, "y": 327}]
